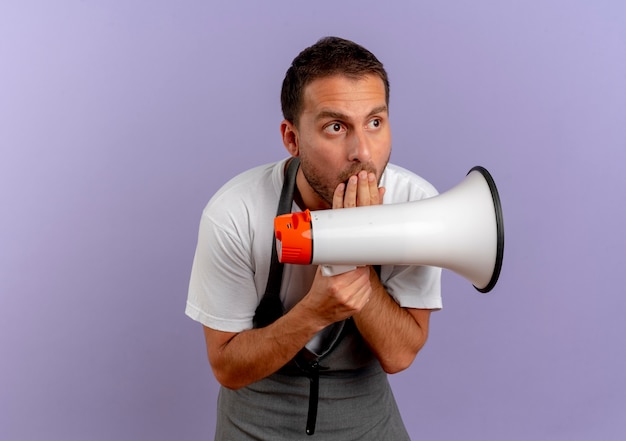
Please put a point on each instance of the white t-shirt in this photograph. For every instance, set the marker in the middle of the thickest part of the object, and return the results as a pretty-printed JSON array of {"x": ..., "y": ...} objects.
[{"x": 233, "y": 254}]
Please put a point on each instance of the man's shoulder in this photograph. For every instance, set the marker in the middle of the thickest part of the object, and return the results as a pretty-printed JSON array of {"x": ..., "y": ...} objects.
[
  {"x": 259, "y": 175},
  {"x": 252, "y": 182},
  {"x": 250, "y": 190}
]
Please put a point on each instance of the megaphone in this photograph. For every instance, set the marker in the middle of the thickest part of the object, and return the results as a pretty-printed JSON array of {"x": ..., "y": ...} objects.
[{"x": 461, "y": 230}]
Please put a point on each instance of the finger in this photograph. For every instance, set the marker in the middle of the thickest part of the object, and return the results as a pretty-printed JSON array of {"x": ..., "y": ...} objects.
[
  {"x": 373, "y": 189},
  {"x": 363, "y": 190},
  {"x": 381, "y": 194},
  {"x": 350, "y": 197},
  {"x": 338, "y": 195}
]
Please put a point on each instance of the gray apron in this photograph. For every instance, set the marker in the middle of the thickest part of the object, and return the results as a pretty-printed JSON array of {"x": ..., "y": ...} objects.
[{"x": 339, "y": 394}]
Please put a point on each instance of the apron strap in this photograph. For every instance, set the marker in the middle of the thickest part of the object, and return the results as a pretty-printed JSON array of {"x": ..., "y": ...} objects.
[{"x": 271, "y": 308}]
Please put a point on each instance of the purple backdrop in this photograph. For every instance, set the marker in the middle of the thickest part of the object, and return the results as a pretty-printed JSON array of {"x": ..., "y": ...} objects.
[{"x": 119, "y": 119}]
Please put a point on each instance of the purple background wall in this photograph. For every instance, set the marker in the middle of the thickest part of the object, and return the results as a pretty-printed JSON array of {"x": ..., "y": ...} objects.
[{"x": 119, "y": 119}]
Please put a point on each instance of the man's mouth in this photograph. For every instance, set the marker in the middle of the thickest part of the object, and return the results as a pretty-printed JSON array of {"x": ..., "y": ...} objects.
[{"x": 355, "y": 170}]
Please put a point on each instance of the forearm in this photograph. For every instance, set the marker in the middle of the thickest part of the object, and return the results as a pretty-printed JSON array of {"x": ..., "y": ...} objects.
[
  {"x": 254, "y": 354},
  {"x": 393, "y": 333}
]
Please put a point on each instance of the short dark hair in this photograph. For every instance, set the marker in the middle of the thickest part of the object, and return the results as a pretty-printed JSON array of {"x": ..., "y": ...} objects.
[{"x": 329, "y": 56}]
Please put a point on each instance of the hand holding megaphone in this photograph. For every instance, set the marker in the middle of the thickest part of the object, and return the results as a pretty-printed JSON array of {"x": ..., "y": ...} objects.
[{"x": 461, "y": 230}]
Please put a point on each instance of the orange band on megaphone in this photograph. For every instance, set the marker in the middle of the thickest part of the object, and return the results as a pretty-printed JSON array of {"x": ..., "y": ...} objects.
[{"x": 294, "y": 241}]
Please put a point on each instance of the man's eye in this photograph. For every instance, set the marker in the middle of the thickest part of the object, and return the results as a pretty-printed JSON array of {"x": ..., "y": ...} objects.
[
  {"x": 374, "y": 124},
  {"x": 334, "y": 128}
]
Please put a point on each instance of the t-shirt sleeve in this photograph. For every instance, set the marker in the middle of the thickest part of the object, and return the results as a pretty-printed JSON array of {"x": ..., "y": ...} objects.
[
  {"x": 413, "y": 286},
  {"x": 222, "y": 293}
]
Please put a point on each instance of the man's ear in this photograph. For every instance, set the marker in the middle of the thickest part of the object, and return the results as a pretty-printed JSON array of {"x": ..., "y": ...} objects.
[{"x": 289, "y": 133}]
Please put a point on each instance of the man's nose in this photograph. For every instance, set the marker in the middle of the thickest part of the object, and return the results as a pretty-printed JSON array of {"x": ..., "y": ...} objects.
[{"x": 359, "y": 148}]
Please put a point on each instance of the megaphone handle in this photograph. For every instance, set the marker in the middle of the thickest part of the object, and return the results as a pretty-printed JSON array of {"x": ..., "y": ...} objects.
[{"x": 333, "y": 270}]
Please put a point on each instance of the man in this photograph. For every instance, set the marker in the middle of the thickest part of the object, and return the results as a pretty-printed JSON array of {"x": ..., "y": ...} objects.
[{"x": 317, "y": 360}]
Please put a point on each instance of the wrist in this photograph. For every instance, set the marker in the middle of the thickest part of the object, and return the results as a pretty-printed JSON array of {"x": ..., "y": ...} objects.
[{"x": 307, "y": 317}]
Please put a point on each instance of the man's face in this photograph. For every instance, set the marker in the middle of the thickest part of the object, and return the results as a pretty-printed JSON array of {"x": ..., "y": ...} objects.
[{"x": 343, "y": 129}]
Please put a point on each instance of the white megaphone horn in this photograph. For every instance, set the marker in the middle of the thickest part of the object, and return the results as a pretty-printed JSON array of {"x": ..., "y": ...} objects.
[{"x": 461, "y": 230}]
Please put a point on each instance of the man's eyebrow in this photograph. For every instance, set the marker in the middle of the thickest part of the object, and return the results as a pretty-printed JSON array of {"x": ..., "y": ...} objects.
[
  {"x": 379, "y": 109},
  {"x": 332, "y": 114}
]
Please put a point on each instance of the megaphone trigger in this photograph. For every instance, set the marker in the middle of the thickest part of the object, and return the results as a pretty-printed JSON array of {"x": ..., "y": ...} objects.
[{"x": 334, "y": 270}]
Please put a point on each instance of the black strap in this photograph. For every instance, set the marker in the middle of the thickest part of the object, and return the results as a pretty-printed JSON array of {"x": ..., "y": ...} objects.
[
  {"x": 313, "y": 373},
  {"x": 270, "y": 308}
]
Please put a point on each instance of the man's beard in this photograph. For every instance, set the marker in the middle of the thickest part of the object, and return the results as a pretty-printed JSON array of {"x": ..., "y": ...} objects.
[{"x": 326, "y": 192}]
